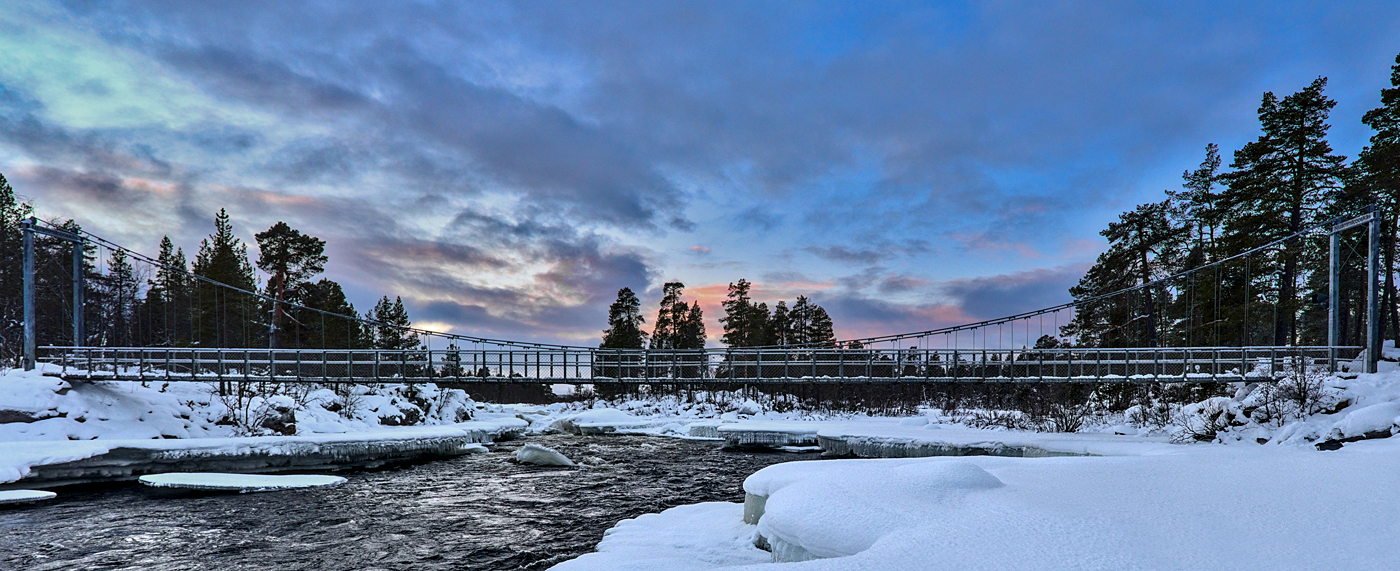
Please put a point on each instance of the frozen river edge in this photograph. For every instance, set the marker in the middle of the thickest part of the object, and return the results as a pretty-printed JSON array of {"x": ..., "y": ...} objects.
[{"x": 52, "y": 464}]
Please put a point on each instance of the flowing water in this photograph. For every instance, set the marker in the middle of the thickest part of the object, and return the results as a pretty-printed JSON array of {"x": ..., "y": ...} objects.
[{"x": 474, "y": 512}]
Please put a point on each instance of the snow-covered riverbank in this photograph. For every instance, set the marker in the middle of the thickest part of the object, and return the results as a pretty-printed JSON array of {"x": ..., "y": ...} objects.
[
  {"x": 1311, "y": 491},
  {"x": 53, "y": 432},
  {"x": 1203, "y": 507}
]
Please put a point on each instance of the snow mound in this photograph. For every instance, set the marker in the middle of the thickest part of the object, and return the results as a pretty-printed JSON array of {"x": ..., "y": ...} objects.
[
  {"x": 699, "y": 536},
  {"x": 10, "y": 497},
  {"x": 241, "y": 483},
  {"x": 1368, "y": 420},
  {"x": 843, "y": 511},
  {"x": 541, "y": 456}
]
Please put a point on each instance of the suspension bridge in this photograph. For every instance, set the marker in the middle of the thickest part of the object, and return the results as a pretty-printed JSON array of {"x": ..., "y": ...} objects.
[{"x": 982, "y": 352}]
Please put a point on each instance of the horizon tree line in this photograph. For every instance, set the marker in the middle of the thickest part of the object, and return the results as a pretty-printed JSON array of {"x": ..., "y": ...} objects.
[
  {"x": 746, "y": 323},
  {"x": 133, "y": 304}
]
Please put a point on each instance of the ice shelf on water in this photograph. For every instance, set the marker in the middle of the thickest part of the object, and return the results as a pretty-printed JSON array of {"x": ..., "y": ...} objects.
[
  {"x": 12, "y": 497},
  {"x": 769, "y": 434},
  {"x": 69, "y": 462},
  {"x": 241, "y": 483}
]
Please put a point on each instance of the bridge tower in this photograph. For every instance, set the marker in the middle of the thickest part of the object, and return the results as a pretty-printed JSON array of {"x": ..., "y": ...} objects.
[
  {"x": 1372, "y": 220},
  {"x": 31, "y": 227}
]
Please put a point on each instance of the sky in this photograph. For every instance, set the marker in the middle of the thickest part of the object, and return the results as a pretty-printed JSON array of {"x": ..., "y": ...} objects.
[{"x": 506, "y": 167}]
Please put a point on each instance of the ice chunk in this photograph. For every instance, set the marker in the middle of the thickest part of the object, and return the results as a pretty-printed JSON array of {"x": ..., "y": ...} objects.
[
  {"x": 9, "y": 497},
  {"x": 541, "y": 456},
  {"x": 241, "y": 483}
]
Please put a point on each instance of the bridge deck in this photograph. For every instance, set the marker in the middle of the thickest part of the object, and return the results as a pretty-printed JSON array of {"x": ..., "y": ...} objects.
[{"x": 721, "y": 366}]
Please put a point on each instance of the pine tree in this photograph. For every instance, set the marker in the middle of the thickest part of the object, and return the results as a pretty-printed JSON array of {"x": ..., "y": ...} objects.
[
  {"x": 291, "y": 259},
  {"x": 1144, "y": 245},
  {"x": 223, "y": 317},
  {"x": 1380, "y": 166},
  {"x": 1281, "y": 184},
  {"x": 820, "y": 331},
  {"x": 1197, "y": 207},
  {"x": 625, "y": 323}
]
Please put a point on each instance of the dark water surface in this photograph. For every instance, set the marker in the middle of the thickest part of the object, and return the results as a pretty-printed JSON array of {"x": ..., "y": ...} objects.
[{"x": 474, "y": 512}]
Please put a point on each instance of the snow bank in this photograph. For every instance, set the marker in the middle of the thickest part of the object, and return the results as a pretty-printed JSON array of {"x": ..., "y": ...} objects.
[
  {"x": 1206, "y": 508},
  {"x": 241, "y": 483},
  {"x": 34, "y": 407},
  {"x": 684, "y": 538},
  {"x": 1203, "y": 507}
]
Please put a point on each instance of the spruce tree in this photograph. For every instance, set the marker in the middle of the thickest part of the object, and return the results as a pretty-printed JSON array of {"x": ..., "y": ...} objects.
[
  {"x": 781, "y": 325},
  {"x": 691, "y": 332},
  {"x": 391, "y": 331},
  {"x": 335, "y": 331},
  {"x": 625, "y": 323},
  {"x": 12, "y": 211},
  {"x": 1197, "y": 206},
  {"x": 223, "y": 317},
  {"x": 738, "y": 309},
  {"x": 168, "y": 299},
  {"x": 120, "y": 298},
  {"x": 669, "y": 317},
  {"x": 746, "y": 324}
]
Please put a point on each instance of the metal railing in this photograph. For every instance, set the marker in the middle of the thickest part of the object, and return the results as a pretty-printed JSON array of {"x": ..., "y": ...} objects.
[{"x": 709, "y": 366}]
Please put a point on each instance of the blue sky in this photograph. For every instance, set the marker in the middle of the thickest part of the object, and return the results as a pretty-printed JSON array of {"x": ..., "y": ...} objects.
[{"x": 506, "y": 167}]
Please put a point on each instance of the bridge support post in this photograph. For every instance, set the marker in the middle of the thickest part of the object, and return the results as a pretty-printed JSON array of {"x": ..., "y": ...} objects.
[
  {"x": 27, "y": 226},
  {"x": 1373, "y": 256},
  {"x": 1373, "y": 313},
  {"x": 1334, "y": 299},
  {"x": 78, "y": 333}
]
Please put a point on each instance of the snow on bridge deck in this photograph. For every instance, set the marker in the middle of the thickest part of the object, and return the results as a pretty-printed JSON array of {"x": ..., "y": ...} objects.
[{"x": 698, "y": 367}]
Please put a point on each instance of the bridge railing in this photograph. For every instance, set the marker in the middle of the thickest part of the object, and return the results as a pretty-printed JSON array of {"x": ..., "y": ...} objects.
[{"x": 1190, "y": 364}]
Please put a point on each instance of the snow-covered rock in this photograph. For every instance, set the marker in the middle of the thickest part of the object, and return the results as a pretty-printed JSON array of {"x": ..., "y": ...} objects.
[{"x": 541, "y": 456}]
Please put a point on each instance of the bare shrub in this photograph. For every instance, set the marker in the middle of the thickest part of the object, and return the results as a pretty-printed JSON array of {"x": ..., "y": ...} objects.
[
  {"x": 1008, "y": 419},
  {"x": 1306, "y": 392},
  {"x": 349, "y": 402},
  {"x": 1152, "y": 416},
  {"x": 1204, "y": 421}
]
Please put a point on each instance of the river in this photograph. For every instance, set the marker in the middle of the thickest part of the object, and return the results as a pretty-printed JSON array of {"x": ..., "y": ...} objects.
[{"x": 473, "y": 512}]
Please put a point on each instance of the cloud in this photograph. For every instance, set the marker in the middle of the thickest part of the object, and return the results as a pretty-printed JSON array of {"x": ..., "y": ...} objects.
[
  {"x": 1008, "y": 294},
  {"x": 508, "y": 166}
]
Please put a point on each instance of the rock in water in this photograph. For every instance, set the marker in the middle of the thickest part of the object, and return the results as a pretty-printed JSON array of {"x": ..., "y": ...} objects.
[{"x": 541, "y": 456}]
